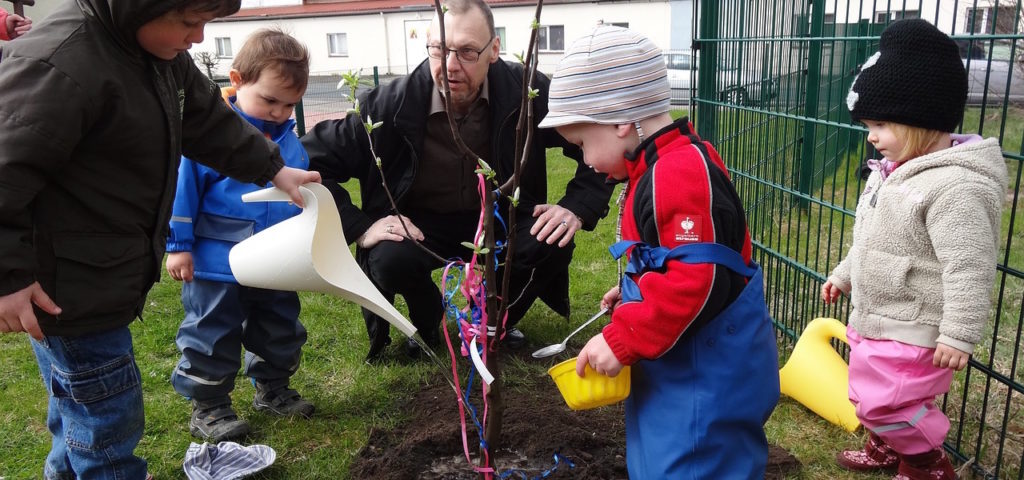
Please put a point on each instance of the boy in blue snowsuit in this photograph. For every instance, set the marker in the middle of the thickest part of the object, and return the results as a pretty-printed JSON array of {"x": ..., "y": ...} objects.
[{"x": 268, "y": 77}]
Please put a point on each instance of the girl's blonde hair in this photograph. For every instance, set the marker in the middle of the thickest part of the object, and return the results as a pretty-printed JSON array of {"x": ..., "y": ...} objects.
[{"x": 918, "y": 140}]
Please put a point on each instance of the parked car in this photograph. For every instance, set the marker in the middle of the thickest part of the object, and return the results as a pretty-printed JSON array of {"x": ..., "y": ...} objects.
[
  {"x": 741, "y": 87},
  {"x": 990, "y": 68},
  {"x": 991, "y": 77},
  {"x": 679, "y": 72}
]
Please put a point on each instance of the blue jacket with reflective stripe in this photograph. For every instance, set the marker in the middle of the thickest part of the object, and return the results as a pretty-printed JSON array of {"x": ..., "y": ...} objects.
[{"x": 209, "y": 216}]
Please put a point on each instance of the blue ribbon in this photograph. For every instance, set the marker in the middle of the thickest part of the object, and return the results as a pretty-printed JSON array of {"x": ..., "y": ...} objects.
[
  {"x": 545, "y": 474},
  {"x": 645, "y": 258}
]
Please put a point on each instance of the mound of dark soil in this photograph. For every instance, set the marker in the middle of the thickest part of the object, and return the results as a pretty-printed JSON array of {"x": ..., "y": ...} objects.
[{"x": 537, "y": 424}]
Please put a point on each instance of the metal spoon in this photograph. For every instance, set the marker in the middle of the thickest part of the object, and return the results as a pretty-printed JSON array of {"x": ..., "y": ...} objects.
[{"x": 560, "y": 347}]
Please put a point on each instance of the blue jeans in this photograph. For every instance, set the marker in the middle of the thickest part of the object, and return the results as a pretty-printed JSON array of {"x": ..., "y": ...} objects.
[{"x": 95, "y": 413}]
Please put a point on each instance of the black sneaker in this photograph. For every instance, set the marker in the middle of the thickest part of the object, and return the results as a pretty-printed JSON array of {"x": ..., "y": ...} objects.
[
  {"x": 215, "y": 421},
  {"x": 412, "y": 349},
  {"x": 415, "y": 351},
  {"x": 281, "y": 401},
  {"x": 514, "y": 339},
  {"x": 377, "y": 345}
]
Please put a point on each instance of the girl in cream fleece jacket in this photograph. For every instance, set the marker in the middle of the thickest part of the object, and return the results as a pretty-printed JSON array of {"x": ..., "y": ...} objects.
[{"x": 922, "y": 263}]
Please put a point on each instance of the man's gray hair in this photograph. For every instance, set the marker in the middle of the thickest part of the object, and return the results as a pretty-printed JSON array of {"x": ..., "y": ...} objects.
[{"x": 462, "y": 6}]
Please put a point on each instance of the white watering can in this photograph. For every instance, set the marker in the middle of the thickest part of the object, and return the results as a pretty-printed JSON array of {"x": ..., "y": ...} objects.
[{"x": 308, "y": 252}]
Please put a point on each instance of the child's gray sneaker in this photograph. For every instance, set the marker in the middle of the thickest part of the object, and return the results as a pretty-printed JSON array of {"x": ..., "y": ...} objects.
[
  {"x": 215, "y": 421},
  {"x": 281, "y": 401}
]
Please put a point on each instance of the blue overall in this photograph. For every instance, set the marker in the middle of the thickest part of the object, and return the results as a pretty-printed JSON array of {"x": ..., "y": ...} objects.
[{"x": 698, "y": 411}]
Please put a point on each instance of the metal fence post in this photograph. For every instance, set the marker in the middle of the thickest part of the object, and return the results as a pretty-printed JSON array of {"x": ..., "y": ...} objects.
[
  {"x": 300, "y": 118},
  {"x": 707, "y": 114},
  {"x": 811, "y": 106}
]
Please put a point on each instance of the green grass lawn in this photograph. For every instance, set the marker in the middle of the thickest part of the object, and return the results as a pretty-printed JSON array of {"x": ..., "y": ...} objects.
[{"x": 351, "y": 397}]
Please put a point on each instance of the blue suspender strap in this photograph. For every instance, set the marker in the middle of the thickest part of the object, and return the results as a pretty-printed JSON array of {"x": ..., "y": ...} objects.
[{"x": 646, "y": 258}]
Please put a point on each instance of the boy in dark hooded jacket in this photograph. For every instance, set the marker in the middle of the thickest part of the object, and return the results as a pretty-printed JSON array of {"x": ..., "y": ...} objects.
[{"x": 97, "y": 105}]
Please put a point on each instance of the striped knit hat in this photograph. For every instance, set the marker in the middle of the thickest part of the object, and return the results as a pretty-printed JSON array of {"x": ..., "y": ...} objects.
[{"x": 611, "y": 76}]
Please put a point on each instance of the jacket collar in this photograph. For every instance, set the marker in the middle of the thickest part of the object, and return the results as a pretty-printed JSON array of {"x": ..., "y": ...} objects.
[
  {"x": 273, "y": 131},
  {"x": 645, "y": 155},
  {"x": 437, "y": 100},
  {"x": 414, "y": 99}
]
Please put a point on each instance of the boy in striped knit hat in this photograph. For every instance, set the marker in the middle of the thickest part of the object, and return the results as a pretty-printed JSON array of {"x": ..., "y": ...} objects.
[{"x": 689, "y": 313}]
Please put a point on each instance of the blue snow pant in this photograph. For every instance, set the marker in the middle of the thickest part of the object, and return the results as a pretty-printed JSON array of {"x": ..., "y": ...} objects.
[
  {"x": 220, "y": 319},
  {"x": 698, "y": 412}
]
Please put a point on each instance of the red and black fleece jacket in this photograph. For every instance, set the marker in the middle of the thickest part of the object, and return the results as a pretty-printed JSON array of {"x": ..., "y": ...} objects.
[
  {"x": 3, "y": 25},
  {"x": 679, "y": 193}
]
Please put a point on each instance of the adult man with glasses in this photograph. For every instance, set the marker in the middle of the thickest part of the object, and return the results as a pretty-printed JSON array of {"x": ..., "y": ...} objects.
[{"x": 435, "y": 187}]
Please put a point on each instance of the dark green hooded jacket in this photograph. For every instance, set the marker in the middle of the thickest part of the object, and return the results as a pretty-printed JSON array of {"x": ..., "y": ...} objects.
[{"x": 92, "y": 128}]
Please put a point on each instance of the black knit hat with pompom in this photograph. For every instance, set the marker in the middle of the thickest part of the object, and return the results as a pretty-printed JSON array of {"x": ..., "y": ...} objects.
[{"x": 916, "y": 78}]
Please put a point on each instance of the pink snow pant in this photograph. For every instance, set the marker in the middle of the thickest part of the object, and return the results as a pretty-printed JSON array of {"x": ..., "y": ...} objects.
[{"x": 893, "y": 385}]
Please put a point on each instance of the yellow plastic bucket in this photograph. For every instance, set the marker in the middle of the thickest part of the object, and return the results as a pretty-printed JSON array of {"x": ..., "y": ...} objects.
[{"x": 593, "y": 389}]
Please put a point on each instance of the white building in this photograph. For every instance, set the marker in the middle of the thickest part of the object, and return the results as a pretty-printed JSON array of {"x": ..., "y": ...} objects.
[
  {"x": 390, "y": 34},
  {"x": 952, "y": 17}
]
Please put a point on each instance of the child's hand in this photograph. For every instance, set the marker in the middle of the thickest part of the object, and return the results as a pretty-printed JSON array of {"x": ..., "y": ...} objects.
[
  {"x": 289, "y": 179},
  {"x": 612, "y": 299},
  {"x": 599, "y": 355},
  {"x": 180, "y": 266},
  {"x": 829, "y": 292},
  {"x": 16, "y": 313},
  {"x": 17, "y": 25},
  {"x": 949, "y": 357}
]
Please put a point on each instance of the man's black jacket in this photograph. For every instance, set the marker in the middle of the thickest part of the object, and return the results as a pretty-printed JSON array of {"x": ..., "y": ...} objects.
[{"x": 339, "y": 149}]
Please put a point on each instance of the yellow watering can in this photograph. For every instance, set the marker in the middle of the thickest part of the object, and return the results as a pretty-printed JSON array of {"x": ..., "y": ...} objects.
[{"x": 816, "y": 375}]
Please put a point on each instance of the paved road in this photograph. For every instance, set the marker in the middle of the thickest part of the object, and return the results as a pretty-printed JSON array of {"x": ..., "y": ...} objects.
[{"x": 323, "y": 100}]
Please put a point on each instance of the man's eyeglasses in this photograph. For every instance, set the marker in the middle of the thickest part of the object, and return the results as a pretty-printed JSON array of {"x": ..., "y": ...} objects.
[{"x": 465, "y": 54}]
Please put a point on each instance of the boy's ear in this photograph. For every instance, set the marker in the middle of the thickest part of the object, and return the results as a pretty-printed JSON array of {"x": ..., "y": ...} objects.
[
  {"x": 623, "y": 130},
  {"x": 236, "y": 78}
]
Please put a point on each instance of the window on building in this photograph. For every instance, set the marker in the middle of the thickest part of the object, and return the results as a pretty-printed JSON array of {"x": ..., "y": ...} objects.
[
  {"x": 886, "y": 16},
  {"x": 830, "y": 18},
  {"x": 551, "y": 38},
  {"x": 500, "y": 32},
  {"x": 223, "y": 47},
  {"x": 337, "y": 44},
  {"x": 991, "y": 20}
]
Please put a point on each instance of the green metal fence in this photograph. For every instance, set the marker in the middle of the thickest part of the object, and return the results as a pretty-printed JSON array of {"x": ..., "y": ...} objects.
[{"x": 772, "y": 84}]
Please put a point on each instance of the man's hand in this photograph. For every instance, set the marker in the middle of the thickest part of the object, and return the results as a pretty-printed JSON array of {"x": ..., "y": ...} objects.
[
  {"x": 17, "y": 25},
  {"x": 289, "y": 179},
  {"x": 949, "y": 357},
  {"x": 389, "y": 228},
  {"x": 16, "y": 313},
  {"x": 180, "y": 266},
  {"x": 599, "y": 355},
  {"x": 554, "y": 224}
]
